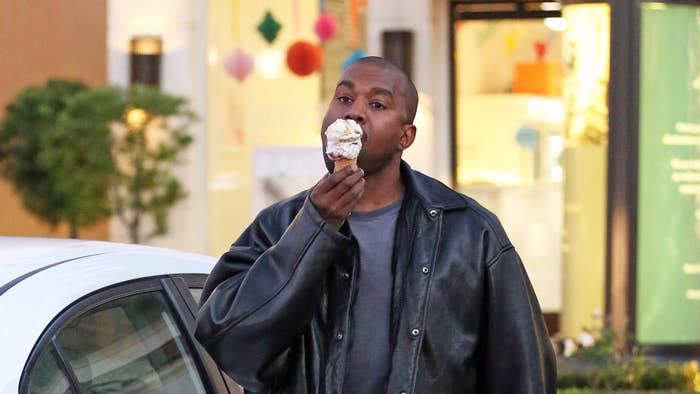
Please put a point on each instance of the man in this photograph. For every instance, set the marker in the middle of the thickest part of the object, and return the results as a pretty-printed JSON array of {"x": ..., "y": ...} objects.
[{"x": 417, "y": 291}]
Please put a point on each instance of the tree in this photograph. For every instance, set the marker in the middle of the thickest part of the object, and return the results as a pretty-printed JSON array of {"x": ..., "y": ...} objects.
[
  {"x": 54, "y": 148},
  {"x": 148, "y": 145},
  {"x": 77, "y": 155}
]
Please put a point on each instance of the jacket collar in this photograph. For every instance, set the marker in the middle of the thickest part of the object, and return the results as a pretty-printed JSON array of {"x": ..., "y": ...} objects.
[{"x": 429, "y": 191}]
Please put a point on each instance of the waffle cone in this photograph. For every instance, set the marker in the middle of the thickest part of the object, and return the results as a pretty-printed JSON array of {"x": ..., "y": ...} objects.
[{"x": 342, "y": 163}]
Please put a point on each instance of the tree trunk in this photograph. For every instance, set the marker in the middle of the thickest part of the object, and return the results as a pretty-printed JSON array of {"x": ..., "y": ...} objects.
[
  {"x": 73, "y": 229},
  {"x": 134, "y": 230}
]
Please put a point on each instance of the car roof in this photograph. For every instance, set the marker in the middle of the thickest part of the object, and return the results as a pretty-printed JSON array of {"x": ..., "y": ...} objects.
[
  {"x": 24, "y": 255},
  {"x": 48, "y": 275}
]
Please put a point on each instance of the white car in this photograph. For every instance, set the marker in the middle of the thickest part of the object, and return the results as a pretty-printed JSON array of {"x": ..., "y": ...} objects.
[{"x": 99, "y": 317}]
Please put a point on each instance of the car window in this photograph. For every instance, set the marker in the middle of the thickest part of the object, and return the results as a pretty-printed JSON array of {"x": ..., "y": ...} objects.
[
  {"x": 46, "y": 377},
  {"x": 131, "y": 344},
  {"x": 196, "y": 293}
]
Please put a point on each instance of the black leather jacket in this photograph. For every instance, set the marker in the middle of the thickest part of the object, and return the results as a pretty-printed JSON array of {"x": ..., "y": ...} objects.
[{"x": 276, "y": 309}]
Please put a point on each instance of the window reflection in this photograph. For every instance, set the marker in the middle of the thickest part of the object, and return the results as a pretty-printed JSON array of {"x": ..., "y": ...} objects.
[
  {"x": 130, "y": 345},
  {"x": 196, "y": 294},
  {"x": 46, "y": 377}
]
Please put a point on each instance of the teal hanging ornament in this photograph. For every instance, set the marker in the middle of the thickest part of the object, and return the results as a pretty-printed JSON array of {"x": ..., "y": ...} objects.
[
  {"x": 269, "y": 27},
  {"x": 355, "y": 55}
]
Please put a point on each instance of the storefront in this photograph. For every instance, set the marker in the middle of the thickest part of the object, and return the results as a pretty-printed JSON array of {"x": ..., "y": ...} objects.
[{"x": 582, "y": 134}]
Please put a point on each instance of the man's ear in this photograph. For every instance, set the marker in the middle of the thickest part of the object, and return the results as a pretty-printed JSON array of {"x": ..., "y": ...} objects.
[{"x": 408, "y": 135}]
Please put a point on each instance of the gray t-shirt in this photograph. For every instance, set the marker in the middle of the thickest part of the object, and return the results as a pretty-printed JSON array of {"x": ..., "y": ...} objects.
[{"x": 369, "y": 357}]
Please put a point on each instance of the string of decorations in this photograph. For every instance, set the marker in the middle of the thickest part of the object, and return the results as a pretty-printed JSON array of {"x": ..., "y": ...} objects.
[
  {"x": 238, "y": 63},
  {"x": 303, "y": 57}
]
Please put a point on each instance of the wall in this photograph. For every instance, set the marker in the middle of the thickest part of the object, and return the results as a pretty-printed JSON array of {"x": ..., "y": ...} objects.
[
  {"x": 261, "y": 129},
  {"x": 41, "y": 39},
  {"x": 428, "y": 22},
  {"x": 181, "y": 25}
]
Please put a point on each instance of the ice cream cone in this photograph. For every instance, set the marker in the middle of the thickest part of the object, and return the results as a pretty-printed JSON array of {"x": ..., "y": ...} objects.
[{"x": 342, "y": 163}]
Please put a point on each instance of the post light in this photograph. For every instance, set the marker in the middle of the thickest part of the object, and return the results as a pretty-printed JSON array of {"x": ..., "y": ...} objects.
[{"x": 145, "y": 52}]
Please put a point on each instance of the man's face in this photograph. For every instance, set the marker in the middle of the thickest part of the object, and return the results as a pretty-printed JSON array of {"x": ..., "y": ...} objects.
[{"x": 374, "y": 97}]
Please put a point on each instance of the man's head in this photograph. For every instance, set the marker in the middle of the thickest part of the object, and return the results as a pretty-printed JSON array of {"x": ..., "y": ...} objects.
[{"x": 377, "y": 95}]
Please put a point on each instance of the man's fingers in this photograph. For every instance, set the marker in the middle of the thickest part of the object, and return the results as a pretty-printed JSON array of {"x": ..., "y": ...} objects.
[
  {"x": 336, "y": 195},
  {"x": 347, "y": 201},
  {"x": 323, "y": 185},
  {"x": 346, "y": 183},
  {"x": 330, "y": 181}
]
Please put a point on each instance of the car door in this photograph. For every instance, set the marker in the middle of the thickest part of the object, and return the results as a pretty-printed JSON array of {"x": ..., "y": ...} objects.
[
  {"x": 194, "y": 284},
  {"x": 128, "y": 338}
]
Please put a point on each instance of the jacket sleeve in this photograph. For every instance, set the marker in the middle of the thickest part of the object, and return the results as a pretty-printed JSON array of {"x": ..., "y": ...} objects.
[
  {"x": 517, "y": 352},
  {"x": 263, "y": 292}
]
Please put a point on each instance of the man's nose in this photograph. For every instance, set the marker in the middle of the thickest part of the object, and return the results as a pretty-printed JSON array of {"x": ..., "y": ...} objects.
[{"x": 356, "y": 112}]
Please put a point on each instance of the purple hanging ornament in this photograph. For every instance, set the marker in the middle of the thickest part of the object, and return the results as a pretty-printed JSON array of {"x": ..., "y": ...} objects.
[
  {"x": 239, "y": 64},
  {"x": 326, "y": 26}
]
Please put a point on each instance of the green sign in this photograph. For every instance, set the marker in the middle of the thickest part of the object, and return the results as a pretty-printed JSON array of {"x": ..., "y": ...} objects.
[{"x": 668, "y": 252}]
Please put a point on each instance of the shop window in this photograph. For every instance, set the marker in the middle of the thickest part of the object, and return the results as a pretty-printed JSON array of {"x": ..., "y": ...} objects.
[
  {"x": 531, "y": 138},
  {"x": 509, "y": 137}
]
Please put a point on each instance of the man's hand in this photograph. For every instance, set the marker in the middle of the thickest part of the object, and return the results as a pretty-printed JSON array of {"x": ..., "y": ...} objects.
[{"x": 336, "y": 195}]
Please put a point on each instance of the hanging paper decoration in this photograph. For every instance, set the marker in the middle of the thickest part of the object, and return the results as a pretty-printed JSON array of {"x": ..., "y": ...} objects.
[
  {"x": 239, "y": 64},
  {"x": 354, "y": 24},
  {"x": 269, "y": 27},
  {"x": 303, "y": 58},
  {"x": 326, "y": 27},
  {"x": 482, "y": 34},
  {"x": 540, "y": 50},
  {"x": 269, "y": 63},
  {"x": 296, "y": 12},
  {"x": 355, "y": 55},
  {"x": 510, "y": 42},
  {"x": 354, "y": 34}
]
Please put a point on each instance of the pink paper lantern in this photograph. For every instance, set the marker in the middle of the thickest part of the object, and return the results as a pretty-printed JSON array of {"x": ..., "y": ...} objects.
[
  {"x": 239, "y": 64},
  {"x": 326, "y": 26}
]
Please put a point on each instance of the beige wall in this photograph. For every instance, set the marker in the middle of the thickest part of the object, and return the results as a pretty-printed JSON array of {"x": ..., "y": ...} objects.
[
  {"x": 247, "y": 119},
  {"x": 40, "y": 39}
]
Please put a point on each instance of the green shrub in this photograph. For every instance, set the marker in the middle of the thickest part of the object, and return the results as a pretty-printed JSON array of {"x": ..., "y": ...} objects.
[{"x": 633, "y": 374}]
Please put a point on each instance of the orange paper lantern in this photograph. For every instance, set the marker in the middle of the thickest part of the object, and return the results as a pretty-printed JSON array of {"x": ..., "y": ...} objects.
[
  {"x": 537, "y": 78},
  {"x": 303, "y": 58}
]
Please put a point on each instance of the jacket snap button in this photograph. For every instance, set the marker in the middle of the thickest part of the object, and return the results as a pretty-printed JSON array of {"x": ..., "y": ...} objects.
[
  {"x": 346, "y": 275},
  {"x": 425, "y": 270},
  {"x": 415, "y": 332},
  {"x": 339, "y": 336},
  {"x": 433, "y": 212}
]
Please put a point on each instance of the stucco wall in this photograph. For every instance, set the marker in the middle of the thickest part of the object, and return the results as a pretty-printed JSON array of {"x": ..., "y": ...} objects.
[{"x": 41, "y": 39}]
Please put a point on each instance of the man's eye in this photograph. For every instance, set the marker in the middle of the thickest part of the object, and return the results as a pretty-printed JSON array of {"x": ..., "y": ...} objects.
[
  {"x": 377, "y": 105},
  {"x": 344, "y": 99}
]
